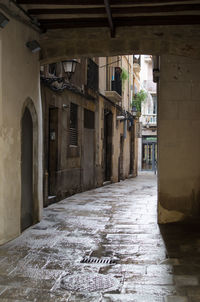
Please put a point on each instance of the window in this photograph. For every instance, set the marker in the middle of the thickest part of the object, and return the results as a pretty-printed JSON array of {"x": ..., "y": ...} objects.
[
  {"x": 92, "y": 75},
  {"x": 52, "y": 69},
  {"x": 88, "y": 119},
  {"x": 154, "y": 104},
  {"x": 73, "y": 128}
]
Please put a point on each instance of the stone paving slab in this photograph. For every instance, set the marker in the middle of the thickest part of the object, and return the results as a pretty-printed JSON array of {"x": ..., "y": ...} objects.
[{"x": 154, "y": 263}]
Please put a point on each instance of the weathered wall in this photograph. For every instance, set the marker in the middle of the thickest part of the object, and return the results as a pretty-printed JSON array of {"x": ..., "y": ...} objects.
[
  {"x": 179, "y": 139},
  {"x": 127, "y": 65},
  {"x": 117, "y": 130},
  {"x": 19, "y": 84},
  {"x": 128, "y": 40},
  {"x": 70, "y": 175}
]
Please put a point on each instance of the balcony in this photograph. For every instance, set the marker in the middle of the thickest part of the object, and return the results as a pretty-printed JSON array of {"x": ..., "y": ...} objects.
[
  {"x": 114, "y": 89},
  {"x": 149, "y": 120},
  {"x": 150, "y": 86}
]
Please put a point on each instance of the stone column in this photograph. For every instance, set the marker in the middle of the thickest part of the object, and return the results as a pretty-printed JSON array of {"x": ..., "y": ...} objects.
[{"x": 179, "y": 139}]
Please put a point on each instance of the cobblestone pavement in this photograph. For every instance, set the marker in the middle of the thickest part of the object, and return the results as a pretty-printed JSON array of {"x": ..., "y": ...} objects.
[{"x": 119, "y": 221}]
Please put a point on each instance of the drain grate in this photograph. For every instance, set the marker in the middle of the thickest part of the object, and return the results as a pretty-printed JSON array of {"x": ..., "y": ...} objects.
[
  {"x": 95, "y": 260},
  {"x": 89, "y": 282}
]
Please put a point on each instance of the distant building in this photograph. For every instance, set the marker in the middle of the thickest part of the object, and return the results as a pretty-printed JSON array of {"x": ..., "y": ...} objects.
[
  {"x": 147, "y": 143},
  {"x": 89, "y": 131}
]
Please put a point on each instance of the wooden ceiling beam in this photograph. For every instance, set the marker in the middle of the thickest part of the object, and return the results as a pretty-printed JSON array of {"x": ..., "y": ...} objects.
[
  {"x": 100, "y": 2},
  {"x": 123, "y": 21},
  {"x": 110, "y": 19},
  {"x": 67, "y": 11},
  {"x": 117, "y": 10}
]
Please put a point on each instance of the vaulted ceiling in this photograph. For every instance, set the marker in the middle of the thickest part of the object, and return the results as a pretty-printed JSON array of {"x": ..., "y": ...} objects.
[{"x": 57, "y": 14}]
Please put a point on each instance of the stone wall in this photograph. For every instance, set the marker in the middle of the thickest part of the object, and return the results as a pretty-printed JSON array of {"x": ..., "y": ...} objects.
[
  {"x": 179, "y": 139},
  {"x": 70, "y": 175},
  {"x": 97, "y": 42}
]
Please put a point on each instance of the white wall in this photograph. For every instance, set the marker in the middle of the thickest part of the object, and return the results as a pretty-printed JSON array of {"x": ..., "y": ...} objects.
[{"x": 19, "y": 81}]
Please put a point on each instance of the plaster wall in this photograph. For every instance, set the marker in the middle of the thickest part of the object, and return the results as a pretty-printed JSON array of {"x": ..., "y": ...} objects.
[
  {"x": 118, "y": 130},
  {"x": 179, "y": 139},
  {"x": 127, "y": 64},
  {"x": 19, "y": 85},
  {"x": 70, "y": 160},
  {"x": 126, "y": 166},
  {"x": 139, "y": 154},
  {"x": 102, "y": 75}
]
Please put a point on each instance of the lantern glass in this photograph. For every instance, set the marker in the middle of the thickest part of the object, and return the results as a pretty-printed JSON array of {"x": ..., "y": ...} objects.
[
  {"x": 69, "y": 66},
  {"x": 134, "y": 110}
]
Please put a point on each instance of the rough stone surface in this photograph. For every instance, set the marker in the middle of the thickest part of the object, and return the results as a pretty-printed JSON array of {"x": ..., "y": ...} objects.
[
  {"x": 94, "y": 42},
  {"x": 155, "y": 264},
  {"x": 178, "y": 127}
]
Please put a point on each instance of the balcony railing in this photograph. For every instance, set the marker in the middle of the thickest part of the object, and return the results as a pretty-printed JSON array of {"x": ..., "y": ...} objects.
[
  {"x": 150, "y": 86},
  {"x": 149, "y": 120},
  {"x": 114, "y": 84}
]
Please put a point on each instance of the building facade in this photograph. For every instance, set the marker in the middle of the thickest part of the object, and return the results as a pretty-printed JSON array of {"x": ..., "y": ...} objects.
[
  {"x": 147, "y": 143},
  {"x": 21, "y": 199},
  {"x": 88, "y": 127}
]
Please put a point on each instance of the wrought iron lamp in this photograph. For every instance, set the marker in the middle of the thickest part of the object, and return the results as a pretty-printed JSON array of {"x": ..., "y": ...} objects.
[{"x": 69, "y": 67}]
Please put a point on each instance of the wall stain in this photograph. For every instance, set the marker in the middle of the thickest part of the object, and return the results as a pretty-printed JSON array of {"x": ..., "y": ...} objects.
[{"x": 188, "y": 206}]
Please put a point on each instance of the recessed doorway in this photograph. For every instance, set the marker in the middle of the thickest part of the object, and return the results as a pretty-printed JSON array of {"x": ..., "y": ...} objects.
[{"x": 27, "y": 205}]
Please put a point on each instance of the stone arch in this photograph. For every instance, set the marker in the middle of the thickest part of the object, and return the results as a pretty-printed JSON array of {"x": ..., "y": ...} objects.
[{"x": 30, "y": 107}]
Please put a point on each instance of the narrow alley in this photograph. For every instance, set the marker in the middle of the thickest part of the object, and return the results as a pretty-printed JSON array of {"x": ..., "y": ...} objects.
[{"x": 116, "y": 224}]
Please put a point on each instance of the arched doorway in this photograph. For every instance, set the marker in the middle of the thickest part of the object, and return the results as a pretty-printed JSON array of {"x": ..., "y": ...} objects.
[{"x": 27, "y": 204}]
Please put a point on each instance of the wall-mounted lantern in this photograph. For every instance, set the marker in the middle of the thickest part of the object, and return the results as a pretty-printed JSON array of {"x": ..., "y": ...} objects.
[
  {"x": 134, "y": 110},
  {"x": 69, "y": 67},
  {"x": 120, "y": 118},
  {"x": 3, "y": 20}
]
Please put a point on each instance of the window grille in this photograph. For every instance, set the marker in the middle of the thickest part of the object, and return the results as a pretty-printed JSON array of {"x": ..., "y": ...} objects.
[
  {"x": 73, "y": 128},
  {"x": 116, "y": 84}
]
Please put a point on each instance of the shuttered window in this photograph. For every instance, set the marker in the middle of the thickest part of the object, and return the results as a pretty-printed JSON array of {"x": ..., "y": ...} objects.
[{"x": 73, "y": 128}]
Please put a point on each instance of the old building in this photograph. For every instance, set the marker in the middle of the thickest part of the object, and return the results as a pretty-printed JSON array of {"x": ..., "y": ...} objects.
[
  {"x": 88, "y": 127},
  {"x": 170, "y": 31},
  {"x": 70, "y": 108},
  {"x": 147, "y": 143},
  {"x": 116, "y": 87}
]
